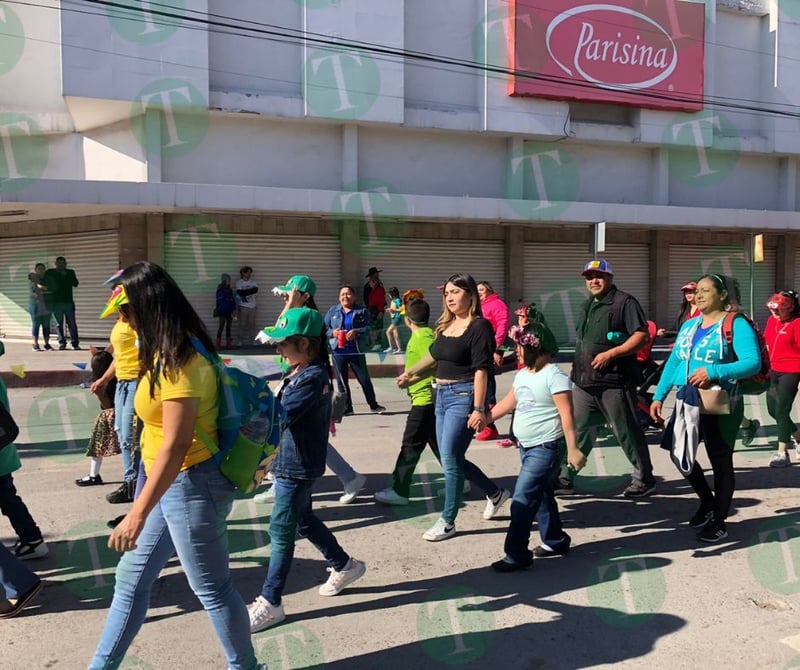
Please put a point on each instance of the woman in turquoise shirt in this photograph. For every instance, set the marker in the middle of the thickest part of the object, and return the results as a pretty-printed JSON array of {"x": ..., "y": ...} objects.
[{"x": 701, "y": 357}]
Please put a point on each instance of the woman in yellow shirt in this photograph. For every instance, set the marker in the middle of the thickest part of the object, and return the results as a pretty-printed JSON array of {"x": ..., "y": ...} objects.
[{"x": 185, "y": 501}]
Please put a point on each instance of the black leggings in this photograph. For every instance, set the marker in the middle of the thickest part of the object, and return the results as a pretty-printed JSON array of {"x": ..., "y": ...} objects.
[
  {"x": 719, "y": 435},
  {"x": 780, "y": 398},
  {"x": 225, "y": 323}
]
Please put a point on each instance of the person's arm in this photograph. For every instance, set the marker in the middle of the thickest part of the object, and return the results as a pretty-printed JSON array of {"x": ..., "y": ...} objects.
[
  {"x": 99, "y": 384},
  {"x": 479, "y": 407},
  {"x": 636, "y": 324},
  {"x": 179, "y": 418},
  {"x": 505, "y": 406},
  {"x": 73, "y": 279},
  {"x": 563, "y": 402},
  {"x": 296, "y": 404},
  {"x": 417, "y": 372}
]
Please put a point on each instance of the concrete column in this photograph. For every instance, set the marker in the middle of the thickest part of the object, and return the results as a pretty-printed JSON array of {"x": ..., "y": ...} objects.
[
  {"x": 514, "y": 271},
  {"x": 659, "y": 278},
  {"x": 132, "y": 239},
  {"x": 155, "y": 237},
  {"x": 785, "y": 264},
  {"x": 349, "y": 238}
]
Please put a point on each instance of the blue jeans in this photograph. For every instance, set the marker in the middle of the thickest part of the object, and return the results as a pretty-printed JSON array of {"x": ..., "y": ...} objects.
[
  {"x": 533, "y": 499},
  {"x": 12, "y": 506},
  {"x": 453, "y": 407},
  {"x": 15, "y": 577},
  {"x": 123, "y": 423},
  {"x": 66, "y": 312},
  {"x": 190, "y": 520},
  {"x": 358, "y": 363},
  {"x": 291, "y": 513}
]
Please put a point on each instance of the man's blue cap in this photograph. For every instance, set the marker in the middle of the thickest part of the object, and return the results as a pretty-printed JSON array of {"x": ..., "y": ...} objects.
[{"x": 598, "y": 265}]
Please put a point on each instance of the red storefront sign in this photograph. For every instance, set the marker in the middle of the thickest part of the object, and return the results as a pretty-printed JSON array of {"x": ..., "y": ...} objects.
[{"x": 647, "y": 53}]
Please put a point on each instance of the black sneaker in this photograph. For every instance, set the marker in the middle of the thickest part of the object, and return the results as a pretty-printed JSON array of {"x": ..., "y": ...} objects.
[
  {"x": 639, "y": 489},
  {"x": 749, "y": 433},
  {"x": 702, "y": 516},
  {"x": 713, "y": 532},
  {"x": 378, "y": 409},
  {"x": 124, "y": 494},
  {"x": 508, "y": 566},
  {"x": 113, "y": 523},
  {"x": 25, "y": 551},
  {"x": 76, "y": 347},
  {"x": 47, "y": 347},
  {"x": 542, "y": 552},
  {"x": 564, "y": 487},
  {"x": 36, "y": 347},
  {"x": 88, "y": 480},
  {"x": 349, "y": 412},
  {"x": 62, "y": 347}
]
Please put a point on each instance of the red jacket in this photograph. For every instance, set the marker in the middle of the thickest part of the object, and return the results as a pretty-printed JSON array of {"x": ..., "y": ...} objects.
[
  {"x": 495, "y": 311},
  {"x": 783, "y": 344}
]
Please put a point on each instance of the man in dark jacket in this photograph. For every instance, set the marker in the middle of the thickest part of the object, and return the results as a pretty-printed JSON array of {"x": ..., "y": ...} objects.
[
  {"x": 60, "y": 281},
  {"x": 611, "y": 328}
]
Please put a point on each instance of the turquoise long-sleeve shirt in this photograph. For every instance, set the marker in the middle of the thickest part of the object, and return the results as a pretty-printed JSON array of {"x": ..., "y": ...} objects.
[{"x": 711, "y": 352}]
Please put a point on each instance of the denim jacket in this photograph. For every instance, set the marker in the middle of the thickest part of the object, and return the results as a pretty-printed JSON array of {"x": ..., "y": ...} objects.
[
  {"x": 305, "y": 421},
  {"x": 335, "y": 318}
]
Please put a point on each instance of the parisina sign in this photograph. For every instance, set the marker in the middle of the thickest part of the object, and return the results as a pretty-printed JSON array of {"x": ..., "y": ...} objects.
[{"x": 647, "y": 53}]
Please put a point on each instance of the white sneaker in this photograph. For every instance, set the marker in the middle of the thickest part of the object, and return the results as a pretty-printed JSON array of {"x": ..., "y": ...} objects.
[
  {"x": 441, "y": 530},
  {"x": 388, "y": 350},
  {"x": 467, "y": 488},
  {"x": 352, "y": 489},
  {"x": 264, "y": 614},
  {"x": 493, "y": 508},
  {"x": 338, "y": 581},
  {"x": 390, "y": 497},
  {"x": 266, "y": 496},
  {"x": 780, "y": 460}
]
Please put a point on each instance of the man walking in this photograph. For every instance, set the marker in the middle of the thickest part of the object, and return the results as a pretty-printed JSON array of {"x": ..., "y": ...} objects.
[
  {"x": 611, "y": 328},
  {"x": 60, "y": 281}
]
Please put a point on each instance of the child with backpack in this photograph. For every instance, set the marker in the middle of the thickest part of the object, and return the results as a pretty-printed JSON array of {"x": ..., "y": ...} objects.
[
  {"x": 305, "y": 398},
  {"x": 544, "y": 426},
  {"x": 103, "y": 438}
]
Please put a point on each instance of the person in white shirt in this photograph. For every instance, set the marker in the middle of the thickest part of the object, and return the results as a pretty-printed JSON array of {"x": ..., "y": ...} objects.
[{"x": 246, "y": 290}]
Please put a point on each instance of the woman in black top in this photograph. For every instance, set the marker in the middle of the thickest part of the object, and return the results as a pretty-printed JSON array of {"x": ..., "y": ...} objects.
[{"x": 462, "y": 354}]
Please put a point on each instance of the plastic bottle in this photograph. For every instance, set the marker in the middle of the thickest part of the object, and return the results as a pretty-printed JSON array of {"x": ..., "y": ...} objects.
[
  {"x": 257, "y": 426},
  {"x": 616, "y": 337}
]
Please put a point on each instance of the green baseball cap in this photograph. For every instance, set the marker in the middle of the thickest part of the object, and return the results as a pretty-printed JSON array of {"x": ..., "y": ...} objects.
[
  {"x": 302, "y": 283},
  {"x": 297, "y": 321}
]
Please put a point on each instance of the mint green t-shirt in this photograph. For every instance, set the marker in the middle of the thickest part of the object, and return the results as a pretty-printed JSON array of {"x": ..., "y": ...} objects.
[
  {"x": 421, "y": 392},
  {"x": 536, "y": 419}
]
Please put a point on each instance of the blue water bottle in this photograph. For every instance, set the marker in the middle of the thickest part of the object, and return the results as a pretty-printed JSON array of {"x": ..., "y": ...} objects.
[{"x": 616, "y": 338}]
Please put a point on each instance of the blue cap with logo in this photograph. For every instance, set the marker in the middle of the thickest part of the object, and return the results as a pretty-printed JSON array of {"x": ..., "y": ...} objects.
[{"x": 598, "y": 265}]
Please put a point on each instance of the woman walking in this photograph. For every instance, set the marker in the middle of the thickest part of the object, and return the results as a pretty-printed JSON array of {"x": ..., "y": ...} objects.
[
  {"x": 782, "y": 335},
  {"x": 702, "y": 358},
  {"x": 463, "y": 355},
  {"x": 185, "y": 501}
]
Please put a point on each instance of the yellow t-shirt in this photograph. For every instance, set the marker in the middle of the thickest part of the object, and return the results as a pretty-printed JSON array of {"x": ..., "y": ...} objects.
[
  {"x": 126, "y": 353},
  {"x": 197, "y": 379}
]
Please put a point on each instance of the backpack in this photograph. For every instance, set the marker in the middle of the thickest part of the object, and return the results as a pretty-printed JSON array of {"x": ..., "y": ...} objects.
[
  {"x": 248, "y": 425},
  {"x": 8, "y": 427},
  {"x": 759, "y": 382}
]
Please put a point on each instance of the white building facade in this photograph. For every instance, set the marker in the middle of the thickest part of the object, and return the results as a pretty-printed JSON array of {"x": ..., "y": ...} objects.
[{"x": 328, "y": 136}]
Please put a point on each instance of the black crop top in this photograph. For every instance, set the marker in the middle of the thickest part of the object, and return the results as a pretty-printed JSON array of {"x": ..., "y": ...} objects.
[{"x": 459, "y": 357}]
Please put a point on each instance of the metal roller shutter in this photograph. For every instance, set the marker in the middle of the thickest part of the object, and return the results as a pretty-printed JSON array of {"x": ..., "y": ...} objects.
[
  {"x": 425, "y": 264},
  {"x": 687, "y": 263},
  {"x": 553, "y": 280},
  {"x": 196, "y": 263},
  {"x": 93, "y": 256}
]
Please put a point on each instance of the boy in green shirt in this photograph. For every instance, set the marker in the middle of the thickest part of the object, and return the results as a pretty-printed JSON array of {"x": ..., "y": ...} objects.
[{"x": 421, "y": 422}]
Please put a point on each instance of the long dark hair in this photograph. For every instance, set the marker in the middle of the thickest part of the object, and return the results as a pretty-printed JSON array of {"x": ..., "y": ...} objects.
[{"x": 165, "y": 321}]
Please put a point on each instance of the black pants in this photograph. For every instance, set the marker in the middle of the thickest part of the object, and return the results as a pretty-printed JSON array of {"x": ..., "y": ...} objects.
[
  {"x": 780, "y": 398},
  {"x": 718, "y": 433},
  {"x": 420, "y": 430},
  {"x": 617, "y": 406},
  {"x": 17, "y": 512},
  {"x": 225, "y": 323}
]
